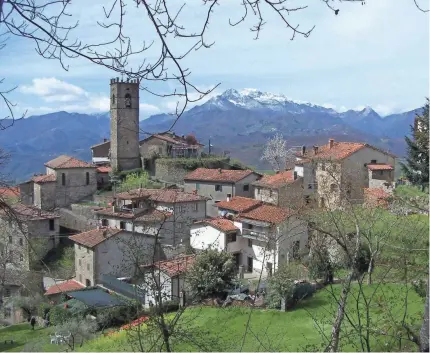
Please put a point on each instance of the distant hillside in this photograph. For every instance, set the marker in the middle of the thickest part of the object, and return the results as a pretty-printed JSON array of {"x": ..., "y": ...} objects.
[{"x": 239, "y": 122}]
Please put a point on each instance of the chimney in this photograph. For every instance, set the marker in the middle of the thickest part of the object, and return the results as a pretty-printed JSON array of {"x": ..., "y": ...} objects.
[
  {"x": 303, "y": 150},
  {"x": 278, "y": 171},
  {"x": 295, "y": 175},
  {"x": 315, "y": 149},
  {"x": 220, "y": 170},
  {"x": 331, "y": 142},
  {"x": 105, "y": 139},
  {"x": 228, "y": 197}
]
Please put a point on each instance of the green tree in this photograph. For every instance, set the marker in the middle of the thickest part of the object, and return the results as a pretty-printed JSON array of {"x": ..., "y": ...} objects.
[
  {"x": 416, "y": 169},
  {"x": 211, "y": 273}
]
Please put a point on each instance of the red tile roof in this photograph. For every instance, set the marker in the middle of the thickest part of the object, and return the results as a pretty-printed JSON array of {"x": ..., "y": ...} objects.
[
  {"x": 223, "y": 224},
  {"x": 67, "y": 286},
  {"x": 220, "y": 175},
  {"x": 276, "y": 180},
  {"x": 338, "y": 151},
  {"x": 239, "y": 204},
  {"x": 44, "y": 178},
  {"x": 32, "y": 213},
  {"x": 174, "y": 266},
  {"x": 174, "y": 139},
  {"x": 139, "y": 215},
  {"x": 94, "y": 237},
  {"x": 9, "y": 192},
  {"x": 161, "y": 195},
  {"x": 64, "y": 161},
  {"x": 104, "y": 169},
  {"x": 267, "y": 213},
  {"x": 376, "y": 196},
  {"x": 379, "y": 167}
]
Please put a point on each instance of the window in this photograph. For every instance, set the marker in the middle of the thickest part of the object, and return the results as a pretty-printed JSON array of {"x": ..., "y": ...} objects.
[
  {"x": 21, "y": 257},
  {"x": 127, "y": 100},
  {"x": 7, "y": 292},
  {"x": 80, "y": 262},
  {"x": 21, "y": 241},
  {"x": 373, "y": 161},
  {"x": 88, "y": 267},
  {"x": 246, "y": 187},
  {"x": 381, "y": 172},
  {"x": 51, "y": 224},
  {"x": 80, "y": 278},
  {"x": 196, "y": 207},
  {"x": 63, "y": 179},
  {"x": 250, "y": 264},
  {"x": 87, "y": 175},
  {"x": 250, "y": 243},
  {"x": 197, "y": 186},
  {"x": 105, "y": 222},
  {"x": 218, "y": 187},
  {"x": 7, "y": 313},
  {"x": 179, "y": 225},
  {"x": 88, "y": 283},
  {"x": 113, "y": 99},
  {"x": 269, "y": 267},
  {"x": 231, "y": 237},
  {"x": 121, "y": 225},
  {"x": 10, "y": 239},
  {"x": 309, "y": 186},
  {"x": 333, "y": 187},
  {"x": 258, "y": 191},
  {"x": 296, "y": 248}
]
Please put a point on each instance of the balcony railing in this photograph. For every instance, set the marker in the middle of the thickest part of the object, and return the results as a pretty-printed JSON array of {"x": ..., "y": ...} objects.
[{"x": 257, "y": 235}]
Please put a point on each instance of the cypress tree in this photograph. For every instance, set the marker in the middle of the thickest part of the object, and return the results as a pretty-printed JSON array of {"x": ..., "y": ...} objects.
[{"x": 416, "y": 169}]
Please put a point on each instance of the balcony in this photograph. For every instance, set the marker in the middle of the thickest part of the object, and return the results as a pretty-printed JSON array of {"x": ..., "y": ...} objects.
[{"x": 255, "y": 235}]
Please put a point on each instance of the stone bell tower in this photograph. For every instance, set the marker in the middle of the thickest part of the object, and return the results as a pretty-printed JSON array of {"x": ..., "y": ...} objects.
[{"x": 124, "y": 124}]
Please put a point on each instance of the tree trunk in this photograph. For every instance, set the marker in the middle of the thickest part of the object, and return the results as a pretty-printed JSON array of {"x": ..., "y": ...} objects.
[
  {"x": 335, "y": 331},
  {"x": 370, "y": 270},
  {"x": 424, "y": 333}
]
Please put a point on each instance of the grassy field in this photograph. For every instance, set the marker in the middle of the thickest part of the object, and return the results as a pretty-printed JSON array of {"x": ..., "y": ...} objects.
[
  {"x": 216, "y": 329},
  {"x": 223, "y": 329}
]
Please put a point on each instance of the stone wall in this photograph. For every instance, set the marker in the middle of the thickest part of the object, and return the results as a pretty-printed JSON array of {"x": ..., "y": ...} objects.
[
  {"x": 76, "y": 187},
  {"x": 80, "y": 222}
]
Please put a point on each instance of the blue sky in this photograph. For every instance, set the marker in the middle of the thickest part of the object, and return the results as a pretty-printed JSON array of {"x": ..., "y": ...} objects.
[{"x": 376, "y": 54}]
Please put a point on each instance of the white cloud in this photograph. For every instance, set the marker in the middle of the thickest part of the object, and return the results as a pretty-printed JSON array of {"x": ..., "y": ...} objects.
[{"x": 54, "y": 90}]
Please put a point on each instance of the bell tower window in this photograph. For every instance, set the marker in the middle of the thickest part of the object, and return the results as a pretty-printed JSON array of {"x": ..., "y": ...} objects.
[
  {"x": 127, "y": 100},
  {"x": 113, "y": 99}
]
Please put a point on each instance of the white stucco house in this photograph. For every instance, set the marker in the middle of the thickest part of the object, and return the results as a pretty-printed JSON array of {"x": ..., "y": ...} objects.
[
  {"x": 260, "y": 236},
  {"x": 166, "y": 278}
]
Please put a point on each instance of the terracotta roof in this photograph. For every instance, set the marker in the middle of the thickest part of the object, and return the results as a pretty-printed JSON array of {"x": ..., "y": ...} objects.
[
  {"x": 104, "y": 169},
  {"x": 338, "y": 151},
  {"x": 44, "y": 178},
  {"x": 8, "y": 192},
  {"x": 222, "y": 224},
  {"x": 239, "y": 204},
  {"x": 140, "y": 215},
  {"x": 276, "y": 180},
  {"x": 161, "y": 195},
  {"x": 175, "y": 266},
  {"x": 174, "y": 139},
  {"x": 94, "y": 237},
  {"x": 220, "y": 175},
  {"x": 267, "y": 213},
  {"x": 67, "y": 286},
  {"x": 64, "y": 161},
  {"x": 379, "y": 167},
  {"x": 32, "y": 213},
  {"x": 377, "y": 193}
]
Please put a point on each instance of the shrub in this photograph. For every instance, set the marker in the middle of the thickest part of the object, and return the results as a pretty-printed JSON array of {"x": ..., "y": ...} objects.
[
  {"x": 58, "y": 315},
  {"x": 420, "y": 287},
  {"x": 43, "y": 309},
  {"x": 211, "y": 273},
  {"x": 116, "y": 316}
]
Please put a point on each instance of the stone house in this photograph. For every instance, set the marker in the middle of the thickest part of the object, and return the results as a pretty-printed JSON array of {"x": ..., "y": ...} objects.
[
  {"x": 167, "y": 276},
  {"x": 167, "y": 213},
  {"x": 338, "y": 172},
  {"x": 40, "y": 227},
  {"x": 283, "y": 189},
  {"x": 260, "y": 236},
  {"x": 110, "y": 251},
  {"x": 170, "y": 145},
  {"x": 67, "y": 180},
  {"x": 102, "y": 175},
  {"x": 220, "y": 184},
  {"x": 16, "y": 282}
]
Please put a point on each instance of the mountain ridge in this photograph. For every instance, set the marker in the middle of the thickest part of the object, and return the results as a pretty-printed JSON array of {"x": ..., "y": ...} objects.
[{"x": 235, "y": 121}]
